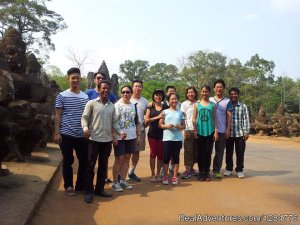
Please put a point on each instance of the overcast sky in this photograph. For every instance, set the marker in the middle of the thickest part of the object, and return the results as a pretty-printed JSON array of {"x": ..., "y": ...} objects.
[{"x": 167, "y": 30}]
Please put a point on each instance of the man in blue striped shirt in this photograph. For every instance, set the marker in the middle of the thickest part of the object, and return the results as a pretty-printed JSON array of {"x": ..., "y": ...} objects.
[
  {"x": 239, "y": 133},
  {"x": 69, "y": 106}
]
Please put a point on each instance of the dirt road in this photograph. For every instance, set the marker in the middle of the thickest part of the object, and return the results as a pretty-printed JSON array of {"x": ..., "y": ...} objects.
[{"x": 271, "y": 187}]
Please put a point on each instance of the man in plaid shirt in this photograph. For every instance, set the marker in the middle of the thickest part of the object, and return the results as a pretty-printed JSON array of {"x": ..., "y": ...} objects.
[{"x": 239, "y": 133}]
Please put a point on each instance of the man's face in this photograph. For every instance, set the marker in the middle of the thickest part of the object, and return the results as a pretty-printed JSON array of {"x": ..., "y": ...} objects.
[
  {"x": 219, "y": 89},
  {"x": 234, "y": 96},
  {"x": 104, "y": 90},
  {"x": 137, "y": 88},
  {"x": 74, "y": 80},
  {"x": 171, "y": 91},
  {"x": 98, "y": 78}
]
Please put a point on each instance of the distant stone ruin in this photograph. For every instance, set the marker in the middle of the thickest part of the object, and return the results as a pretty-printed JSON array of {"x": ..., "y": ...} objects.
[{"x": 280, "y": 124}]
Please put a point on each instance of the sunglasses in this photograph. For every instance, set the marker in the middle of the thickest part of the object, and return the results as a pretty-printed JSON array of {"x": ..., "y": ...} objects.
[
  {"x": 100, "y": 78},
  {"x": 125, "y": 92}
]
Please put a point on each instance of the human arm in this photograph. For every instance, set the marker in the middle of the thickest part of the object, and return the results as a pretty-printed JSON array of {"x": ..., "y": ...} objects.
[
  {"x": 228, "y": 124},
  {"x": 162, "y": 125},
  {"x": 216, "y": 134},
  {"x": 194, "y": 120},
  {"x": 246, "y": 123},
  {"x": 58, "y": 115},
  {"x": 86, "y": 118}
]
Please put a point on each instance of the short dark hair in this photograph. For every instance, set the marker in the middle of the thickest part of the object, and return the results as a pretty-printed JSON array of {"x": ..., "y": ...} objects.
[
  {"x": 169, "y": 87},
  {"x": 194, "y": 89},
  {"x": 157, "y": 91},
  {"x": 102, "y": 74},
  {"x": 206, "y": 86},
  {"x": 103, "y": 82},
  {"x": 73, "y": 70},
  {"x": 137, "y": 81},
  {"x": 126, "y": 86},
  {"x": 219, "y": 81},
  {"x": 234, "y": 89},
  {"x": 169, "y": 96}
]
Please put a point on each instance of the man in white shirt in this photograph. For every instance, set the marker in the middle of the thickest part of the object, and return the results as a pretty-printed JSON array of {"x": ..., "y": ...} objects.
[{"x": 141, "y": 105}]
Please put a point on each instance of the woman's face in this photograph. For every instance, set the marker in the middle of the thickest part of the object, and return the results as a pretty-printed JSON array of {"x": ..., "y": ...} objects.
[
  {"x": 204, "y": 93},
  {"x": 191, "y": 95},
  {"x": 158, "y": 97},
  {"x": 126, "y": 93},
  {"x": 173, "y": 101}
]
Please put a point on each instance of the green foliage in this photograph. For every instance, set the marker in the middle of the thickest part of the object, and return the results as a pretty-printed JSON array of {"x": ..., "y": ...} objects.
[
  {"x": 255, "y": 79},
  {"x": 204, "y": 67},
  {"x": 33, "y": 20},
  {"x": 133, "y": 70},
  {"x": 63, "y": 83},
  {"x": 163, "y": 72}
]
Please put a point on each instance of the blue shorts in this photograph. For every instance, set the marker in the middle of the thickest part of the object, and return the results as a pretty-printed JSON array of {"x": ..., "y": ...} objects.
[{"x": 125, "y": 146}]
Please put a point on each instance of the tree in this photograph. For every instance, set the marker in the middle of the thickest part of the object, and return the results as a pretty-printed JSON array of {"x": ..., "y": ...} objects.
[
  {"x": 35, "y": 22},
  {"x": 163, "y": 72},
  {"x": 132, "y": 70},
  {"x": 53, "y": 70},
  {"x": 259, "y": 74},
  {"x": 78, "y": 58},
  {"x": 203, "y": 67}
]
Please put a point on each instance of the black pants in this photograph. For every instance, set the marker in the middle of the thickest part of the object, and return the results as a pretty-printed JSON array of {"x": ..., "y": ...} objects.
[
  {"x": 101, "y": 149},
  {"x": 205, "y": 146},
  {"x": 80, "y": 145},
  {"x": 240, "y": 146},
  {"x": 172, "y": 151},
  {"x": 219, "y": 152}
]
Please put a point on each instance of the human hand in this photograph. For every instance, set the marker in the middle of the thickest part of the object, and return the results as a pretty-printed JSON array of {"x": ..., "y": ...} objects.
[
  {"x": 123, "y": 135},
  {"x": 87, "y": 133},
  {"x": 57, "y": 138}
]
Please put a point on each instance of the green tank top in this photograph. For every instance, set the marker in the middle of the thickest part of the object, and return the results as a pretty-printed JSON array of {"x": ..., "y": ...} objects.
[{"x": 205, "y": 119}]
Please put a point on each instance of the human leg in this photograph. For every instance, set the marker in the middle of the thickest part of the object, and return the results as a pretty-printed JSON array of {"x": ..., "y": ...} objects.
[
  {"x": 66, "y": 147},
  {"x": 81, "y": 149}
]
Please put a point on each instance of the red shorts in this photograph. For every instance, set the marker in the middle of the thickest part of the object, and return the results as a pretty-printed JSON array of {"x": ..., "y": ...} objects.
[{"x": 156, "y": 149}]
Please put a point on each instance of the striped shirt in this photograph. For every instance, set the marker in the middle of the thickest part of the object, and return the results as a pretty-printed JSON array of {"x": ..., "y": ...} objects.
[
  {"x": 72, "y": 106},
  {"x": 240, "y": 123}
]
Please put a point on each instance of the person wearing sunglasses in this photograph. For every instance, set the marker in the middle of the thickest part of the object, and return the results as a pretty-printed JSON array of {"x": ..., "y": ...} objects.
[
  {"x": 94, "y": 93},
  {"x": 126, "y": 115}
]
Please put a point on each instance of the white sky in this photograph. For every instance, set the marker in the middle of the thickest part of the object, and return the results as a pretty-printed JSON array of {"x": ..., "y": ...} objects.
[{"x": 167, "y": 30}]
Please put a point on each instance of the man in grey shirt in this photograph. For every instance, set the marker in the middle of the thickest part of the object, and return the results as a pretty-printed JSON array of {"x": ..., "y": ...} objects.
[
  {"x": 222, "y": 125},
  {"x": 98, "y": 125}
]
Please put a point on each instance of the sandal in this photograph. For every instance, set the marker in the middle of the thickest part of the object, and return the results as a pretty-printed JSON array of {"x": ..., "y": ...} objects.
[
  {"x": 153, "y": 179},
  {"x": 158, "y": 178}
]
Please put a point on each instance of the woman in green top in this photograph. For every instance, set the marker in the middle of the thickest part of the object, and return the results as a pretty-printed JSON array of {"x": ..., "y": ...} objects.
[{"x": 204, "y": 130}]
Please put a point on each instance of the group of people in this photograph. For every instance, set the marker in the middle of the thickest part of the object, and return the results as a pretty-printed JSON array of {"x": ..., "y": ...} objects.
[{"x": 93, "y": 122}]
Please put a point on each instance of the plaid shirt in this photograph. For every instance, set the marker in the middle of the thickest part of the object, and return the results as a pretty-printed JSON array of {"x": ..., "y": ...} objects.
[{"x": 240, "y": 123}]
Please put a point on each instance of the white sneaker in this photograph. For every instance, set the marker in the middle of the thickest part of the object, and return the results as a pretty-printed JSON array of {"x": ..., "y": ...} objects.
[
  {"x": 116, "y": 187},
  {"x": 240, "y": 175},
  {"x": 125, "y": 185},
  {"x": 227, "y": 173}
]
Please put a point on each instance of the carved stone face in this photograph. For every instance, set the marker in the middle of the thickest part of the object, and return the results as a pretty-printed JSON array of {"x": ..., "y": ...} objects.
[
  {"x": 14, "y": 57},
  {"x": 33, "y": 66}
]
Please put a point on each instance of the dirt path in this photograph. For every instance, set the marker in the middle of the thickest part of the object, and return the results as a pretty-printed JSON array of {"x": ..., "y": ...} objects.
[{"x": 271, "y": 187}]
